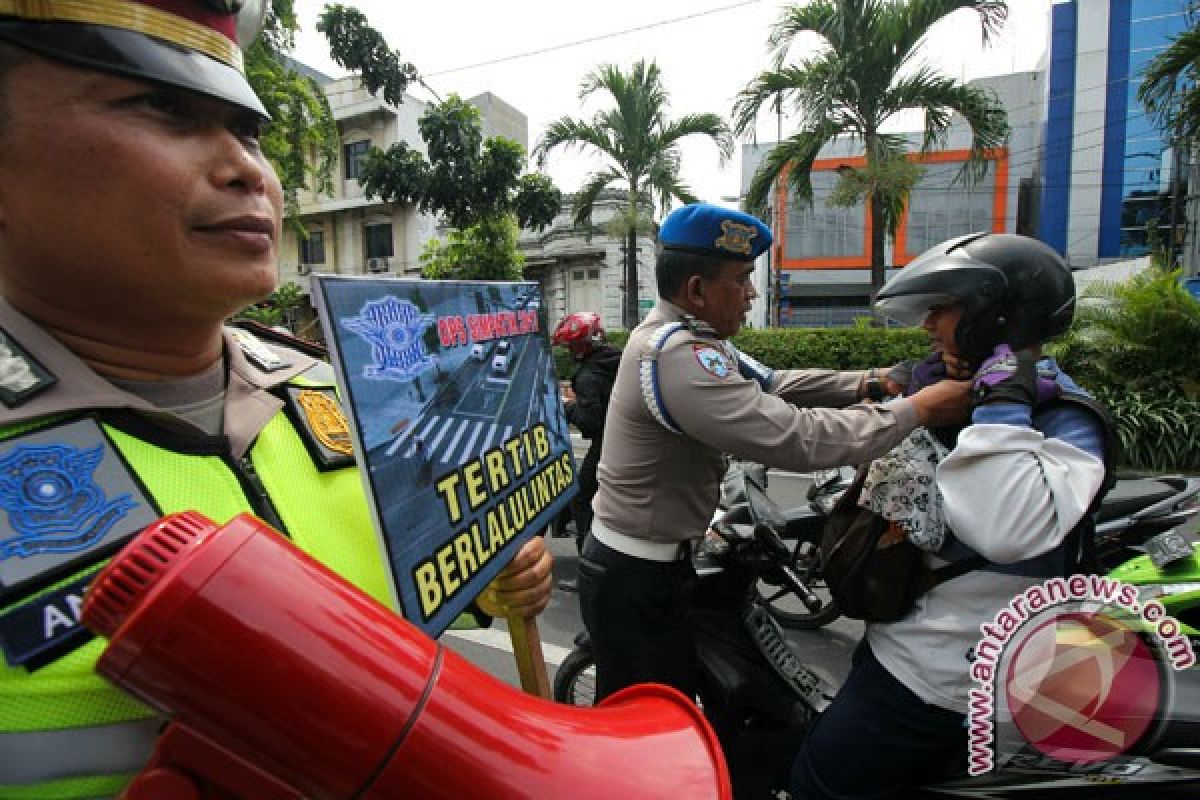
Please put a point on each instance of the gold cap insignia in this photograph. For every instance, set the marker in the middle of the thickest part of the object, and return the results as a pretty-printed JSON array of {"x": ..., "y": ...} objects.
[{"x": 735, "y": 237}]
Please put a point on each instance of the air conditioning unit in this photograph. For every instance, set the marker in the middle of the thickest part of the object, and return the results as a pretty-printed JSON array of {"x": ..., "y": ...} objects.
[
  {"x": 304, "y": 269},
  {"x": 377, "y": 265}
]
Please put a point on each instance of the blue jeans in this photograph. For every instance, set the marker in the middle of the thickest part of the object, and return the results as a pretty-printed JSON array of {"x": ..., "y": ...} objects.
[{"x": 876, "y": 739}]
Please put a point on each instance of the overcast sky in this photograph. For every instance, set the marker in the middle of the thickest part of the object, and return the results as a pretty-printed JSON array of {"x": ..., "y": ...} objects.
[{"x": 705, "y": 58}]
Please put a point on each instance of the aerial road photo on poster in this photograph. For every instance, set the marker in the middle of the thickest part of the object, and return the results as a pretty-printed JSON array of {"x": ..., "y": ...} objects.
[{"x": 455, "y": 406}]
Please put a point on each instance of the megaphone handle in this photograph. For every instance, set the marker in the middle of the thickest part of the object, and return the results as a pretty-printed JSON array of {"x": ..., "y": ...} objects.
[
  {"x": 189, "y": 766},
  {"x": 527, "y": 649}
]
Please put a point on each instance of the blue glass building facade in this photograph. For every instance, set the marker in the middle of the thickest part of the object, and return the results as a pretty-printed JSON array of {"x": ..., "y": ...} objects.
[{"x": 1107, "y": 167}]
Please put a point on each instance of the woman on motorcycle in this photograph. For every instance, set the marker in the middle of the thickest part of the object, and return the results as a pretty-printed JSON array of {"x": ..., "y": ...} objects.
[{"x": 1011, "y": 486}]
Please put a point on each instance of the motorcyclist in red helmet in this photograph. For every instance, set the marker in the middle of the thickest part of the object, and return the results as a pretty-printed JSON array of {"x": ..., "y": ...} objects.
[{"x": 582, "y": 333}]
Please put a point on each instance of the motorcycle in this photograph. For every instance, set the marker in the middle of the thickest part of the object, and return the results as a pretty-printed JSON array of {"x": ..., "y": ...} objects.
[
  {"x": 760, "y": 697},
  {"x": 1134, "y": 511}
]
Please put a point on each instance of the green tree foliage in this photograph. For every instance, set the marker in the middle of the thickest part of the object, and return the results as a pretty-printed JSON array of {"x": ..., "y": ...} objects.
[
  {"x": 486, "y": 251},
  {"x": 1125, "y": 347},
  {"x": 475, "y": 184},
  {"x": 279, "y": 308},
  {"x": 887, "y": 182},
  {"x": 466, "y": 178},
  {"x": 866, "y": 74},
  {"x": 302, "y": 140},
  {"x": 1129, "y": 334},
  {"x": 356, "y": 46},
  {"x": 1169, "y": 85},
  {"x": 642, "y": 146}
]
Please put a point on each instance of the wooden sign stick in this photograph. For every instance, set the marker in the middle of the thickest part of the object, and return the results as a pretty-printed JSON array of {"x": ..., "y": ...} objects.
[{"x": 527, "y": 650}]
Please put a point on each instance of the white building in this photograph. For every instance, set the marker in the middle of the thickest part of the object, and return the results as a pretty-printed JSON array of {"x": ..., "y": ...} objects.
[
  {"x": 350, "y": 234},
  {"x": 583, "y": 270}
]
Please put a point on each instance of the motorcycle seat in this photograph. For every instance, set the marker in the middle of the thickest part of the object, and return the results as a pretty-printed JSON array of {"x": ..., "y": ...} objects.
[{"x": 1130, "y": 496}]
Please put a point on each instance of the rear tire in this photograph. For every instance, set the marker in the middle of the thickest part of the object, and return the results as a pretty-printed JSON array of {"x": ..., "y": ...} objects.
[{"x": 575, "y": 680}]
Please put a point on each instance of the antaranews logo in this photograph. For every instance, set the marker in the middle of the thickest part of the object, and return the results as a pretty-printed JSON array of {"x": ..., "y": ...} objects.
[{"x": 1081, "y": 665}]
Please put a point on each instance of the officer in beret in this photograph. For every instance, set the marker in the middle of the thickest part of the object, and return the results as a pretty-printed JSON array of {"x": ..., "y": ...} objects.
[
  {"x": 683, "y": 397},
  {"x": 136, "y": 214}
]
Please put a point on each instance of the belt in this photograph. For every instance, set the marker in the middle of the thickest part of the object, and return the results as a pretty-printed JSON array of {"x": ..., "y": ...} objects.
[{"x": 638, "y": 548}]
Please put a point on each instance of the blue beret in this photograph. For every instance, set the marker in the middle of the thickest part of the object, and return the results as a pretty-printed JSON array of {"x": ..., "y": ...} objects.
[{"x": 714, "y": 231}]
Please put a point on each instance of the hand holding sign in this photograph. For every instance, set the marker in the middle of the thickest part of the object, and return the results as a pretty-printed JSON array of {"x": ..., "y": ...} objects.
[
  {"x": 519, "y": 593},
  {"x": 459, "y": 427}
]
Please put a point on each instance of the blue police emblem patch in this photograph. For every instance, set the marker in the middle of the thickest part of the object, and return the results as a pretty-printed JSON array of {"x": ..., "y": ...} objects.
[
  {"x": 394, "y": 328},
  {"x": 713, "y": 361},
  {"x": 68, "y": 500}
]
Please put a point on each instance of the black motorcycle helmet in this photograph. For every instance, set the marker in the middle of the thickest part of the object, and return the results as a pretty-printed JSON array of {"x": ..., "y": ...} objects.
[
  {"x": 193, "y": 44},
  {"x": 1012, "y": 289}
]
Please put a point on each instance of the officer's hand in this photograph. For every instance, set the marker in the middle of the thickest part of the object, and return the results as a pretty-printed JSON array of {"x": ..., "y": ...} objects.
[
  {"x": 947, "y": 402},
  {"x": 522, "y": 589}
]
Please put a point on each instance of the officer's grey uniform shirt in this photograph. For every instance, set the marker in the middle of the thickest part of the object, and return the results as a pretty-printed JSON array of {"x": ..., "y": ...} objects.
[
  {"x": 248, "y": 404},
  {"x": 664, "y": 486}
]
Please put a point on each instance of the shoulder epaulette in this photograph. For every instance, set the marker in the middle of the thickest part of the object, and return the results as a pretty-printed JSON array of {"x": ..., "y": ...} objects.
[
  {"x": 305, "y": 346},
  {"x": 21, "y": 375}
]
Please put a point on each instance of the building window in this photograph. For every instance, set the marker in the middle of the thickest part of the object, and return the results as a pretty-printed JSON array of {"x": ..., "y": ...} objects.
[
  {"x": 353, "y": 156},
  {"x": 942, "y": 207},
  {"x": 821, "y": 231},
  {"x": 312, "y": 249},
  {"x": 379, "y": 240}
]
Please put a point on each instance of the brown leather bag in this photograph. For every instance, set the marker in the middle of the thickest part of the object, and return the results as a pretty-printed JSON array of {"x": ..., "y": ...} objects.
[{"x": 873, "y": 572}]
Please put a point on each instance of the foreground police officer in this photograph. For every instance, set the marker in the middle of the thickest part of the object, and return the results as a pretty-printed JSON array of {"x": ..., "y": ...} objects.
[
  {"x": 136, "y": 213},
  {"x": 683, "y": 397}
]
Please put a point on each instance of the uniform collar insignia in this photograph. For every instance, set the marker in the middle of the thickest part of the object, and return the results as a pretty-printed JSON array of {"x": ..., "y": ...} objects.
[
  {"x": 735, "y": 237},
  {"x": 697, "y": 325},
  {"x": 21, "y": 376},
  {"x": 258, "y": 353}
]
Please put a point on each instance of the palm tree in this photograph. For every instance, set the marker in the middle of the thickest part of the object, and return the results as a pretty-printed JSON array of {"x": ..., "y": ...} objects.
[
  {"x": 642, "y": 146},
  {"x": 1169, "y": 86},
  {"x": 865, "y": 75}
]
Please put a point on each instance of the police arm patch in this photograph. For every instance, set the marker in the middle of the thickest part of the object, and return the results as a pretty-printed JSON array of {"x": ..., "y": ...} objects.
[
  {"x": 712, "y": 361},
  {"x": 318, "y": 417},
  {"x": 68, "y": 501}
]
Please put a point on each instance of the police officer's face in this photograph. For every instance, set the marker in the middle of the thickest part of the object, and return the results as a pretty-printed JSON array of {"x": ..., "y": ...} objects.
[
  {"x": 725, "y": 298},
  {"x": 126, "y": 198}
]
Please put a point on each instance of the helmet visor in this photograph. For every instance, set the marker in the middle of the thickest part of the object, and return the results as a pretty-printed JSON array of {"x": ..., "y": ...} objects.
[{"x": 911, "y": 309}]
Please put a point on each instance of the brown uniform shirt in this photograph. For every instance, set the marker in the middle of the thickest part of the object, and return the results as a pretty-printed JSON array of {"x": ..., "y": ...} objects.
[
  {"x": 249, "y": 406},
  {"x": 663, "y": 486}
]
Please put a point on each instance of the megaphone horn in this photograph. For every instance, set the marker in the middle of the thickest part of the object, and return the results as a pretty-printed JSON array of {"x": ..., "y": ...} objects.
[{"x": 285, "y": 681}]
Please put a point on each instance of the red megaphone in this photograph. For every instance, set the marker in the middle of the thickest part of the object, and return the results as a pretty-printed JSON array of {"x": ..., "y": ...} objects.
[{"x": 286, "y": 682}]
